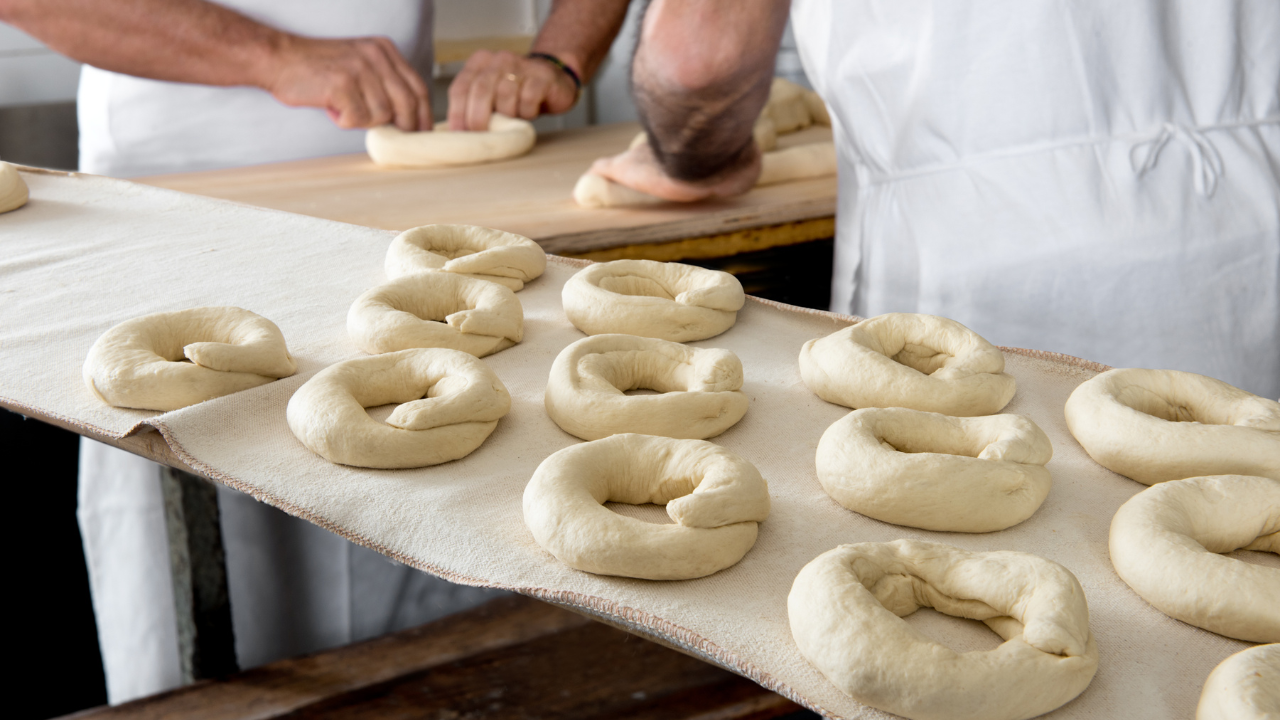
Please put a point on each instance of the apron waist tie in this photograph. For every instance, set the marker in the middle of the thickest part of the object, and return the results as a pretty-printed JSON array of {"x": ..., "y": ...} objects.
[{"x": 1205, "y": 160}]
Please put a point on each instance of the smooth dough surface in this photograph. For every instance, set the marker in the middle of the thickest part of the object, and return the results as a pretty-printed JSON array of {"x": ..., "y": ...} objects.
[
  {"x": 13, "y": 189},
  {"x": 448, "y": 403},
  {"x": 846, "y": 609},
  {"x": 668, "y": 301},
  {"x": 936, "y": 472},
  {"x": 700, "y": 388},
  {"x": 436, "y": 309},
  {"x": 715, "y": 497},
  {"x": 922, "y": 362},
  {"x": 507, "y": 137},
  {"x": 483, "y": 253},
  {"x": 1158, "y": 425},
  {"x": 1165, "y": 543},
  {"x": 139, "y": 363},
  {"x": 1245, "y": 686}
]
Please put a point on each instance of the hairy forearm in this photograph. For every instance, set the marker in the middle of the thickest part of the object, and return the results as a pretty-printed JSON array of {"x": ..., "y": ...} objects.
[{"x": 579, "y": 32}]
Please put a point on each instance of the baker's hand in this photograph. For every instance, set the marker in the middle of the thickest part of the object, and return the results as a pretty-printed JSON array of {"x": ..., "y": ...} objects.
[
  {"x": 361, "y": 82},
  {"x": 639, "y": 169},
  {"x": 511, "y": 84}
]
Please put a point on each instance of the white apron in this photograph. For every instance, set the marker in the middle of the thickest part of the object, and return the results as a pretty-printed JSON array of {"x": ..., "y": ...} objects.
[
  {"x": 295, "y": 588},
  {"x": 1090, "y": 177}
]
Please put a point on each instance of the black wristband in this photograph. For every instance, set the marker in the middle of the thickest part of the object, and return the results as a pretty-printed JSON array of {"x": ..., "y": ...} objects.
[{"x": 577, "y": 81}]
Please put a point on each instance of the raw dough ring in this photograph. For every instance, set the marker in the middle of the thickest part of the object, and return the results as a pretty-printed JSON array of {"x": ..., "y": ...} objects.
[
  {"x": 936, "y": 472},
  {"x": 139, "y": 363},
  {"x": 846, "y": 606},
  {"x": 1164, "y": 545},
  {"x": 922, "y": 362},
  {"x": 507, "y": 137},
  {"x": 13, "y": 190},
  {"x": 715, "y": 497},
  {"x": 700, "y": 388},
  {"x": 668, "y": 301},
  {"x": 477, "y": 252},
  {"x": 1158, "y": 425},
  {"x": 479, "y": 317},
  {"x": 449, "y": 403},
  {"x": 1245, "y": 686}
]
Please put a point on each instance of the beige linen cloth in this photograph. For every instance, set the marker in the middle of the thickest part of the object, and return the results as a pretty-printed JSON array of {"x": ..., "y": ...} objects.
[{"x": 89, "y": 252}]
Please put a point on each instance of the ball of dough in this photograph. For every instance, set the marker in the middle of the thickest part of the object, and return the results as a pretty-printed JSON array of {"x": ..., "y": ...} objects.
[
  {"x": 1164, "y": 544},
  {"x": 140, "y": 362},
  {"x": 482, "y": 253},
  {"x": 922, "y": 362},
  {"x": 1158, "y": 425},
  {"x": 507, "y": 137},
  {"x": 715, "y": 497},
  {"x": 448, "y": 402},
  {"x": 700, "y": 388},
  {"x": 668, "y": 301},
  {"x": 936, "y": 472},
  {"x": 13, "y": 190},
  {"x": 846, "y": 606},
  {"x": 1245, "y": 686},
  {"x": 436, "y": 309}
]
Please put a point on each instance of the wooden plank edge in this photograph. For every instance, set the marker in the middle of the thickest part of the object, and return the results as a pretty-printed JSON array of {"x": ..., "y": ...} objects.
[{"x": 720, "y": 245}]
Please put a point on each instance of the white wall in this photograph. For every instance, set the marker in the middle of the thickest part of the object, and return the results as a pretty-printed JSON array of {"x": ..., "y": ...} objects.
[{"x": 30, "y": 73}]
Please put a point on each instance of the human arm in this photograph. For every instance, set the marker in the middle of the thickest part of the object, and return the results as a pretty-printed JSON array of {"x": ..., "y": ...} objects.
[
  {"x": 361, "y": 82},
  {"x": 578, "y": 32}
]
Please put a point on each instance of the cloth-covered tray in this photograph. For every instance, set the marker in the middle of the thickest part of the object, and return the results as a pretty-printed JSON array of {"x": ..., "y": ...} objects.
[{"x": 88, "y": 252}]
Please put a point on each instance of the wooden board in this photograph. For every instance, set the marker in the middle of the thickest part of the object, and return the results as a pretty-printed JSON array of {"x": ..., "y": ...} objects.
[{"x": 530, "y": 195}]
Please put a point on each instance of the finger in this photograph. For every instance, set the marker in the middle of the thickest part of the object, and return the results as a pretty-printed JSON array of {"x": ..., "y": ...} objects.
[
  {"x": 479, "y": 105},
  {"x": 506, "y": 94},
  {"x": 401, "y": 97},
  {"x": 418, "y": 88},
  {"x": 376, "y": 99},
  {"x": 460, "y": 88},
  {"x": 346, "y": 103},
  {"x": 533, "y": 94}
]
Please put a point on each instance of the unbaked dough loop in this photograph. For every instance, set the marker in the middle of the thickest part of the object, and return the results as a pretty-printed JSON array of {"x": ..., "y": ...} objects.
[
  {"x": 936, "y": 472},
  {"x": 846, "y": 609},
  {"x": 668, "y": 301},
  {"x": 13, "y": 189},
  {"x": 699, "y": 388},
  {"x": 477, "y": 252},
  {"x": 449, "y": 402},
  {"x": 922, "y": 362},
  {"x": 1158, "y": 425},
  {"x": 170, "y": 360},
  {"x": 1165, "y": 544},
  {"x": 507, "y": 137},
  {"x": 436, "y": 309},
  {"x": 1245, "y": 686},
  {"x": 716, "y": 498}
]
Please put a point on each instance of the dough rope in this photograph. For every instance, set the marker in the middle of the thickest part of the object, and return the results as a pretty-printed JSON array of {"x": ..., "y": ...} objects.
[
  {"x": 139, "y": 363},
  {"x": 449, "y": 402},
  {"x": 716, "y": 498},
  {"x": 1158, "y": 425},
  {"x": 506, "y": 137},
  {"x": 476, "y": 252},
  {"x": 1165, "y": 543},
  {"x": 668, "y": 301},
  {"x": 1245, "y": 686},
  {"x": 13, "y": 189},
  {"x": 436, "y": 309},
  {"x": 846, "y": 606},
  {"x": 922, "y": 362},
  {"x": 700, "y": 388},
  {"x": 936, "y": 472}
]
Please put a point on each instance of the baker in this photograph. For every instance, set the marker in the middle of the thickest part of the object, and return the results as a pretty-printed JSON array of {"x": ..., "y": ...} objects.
[
  {"x": 186, "y": 85},
  {"x": 1080, "y": 178}
]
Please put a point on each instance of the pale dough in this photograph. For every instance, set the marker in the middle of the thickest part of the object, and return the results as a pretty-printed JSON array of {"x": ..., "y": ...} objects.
[
  {"x": 13, "y": 190},
  {"x": 1158, "y": 425},
  {"x": 436, "y": 310},
  {"x": 715, "y": 497},
  {"x": 922, "y": 362},
  {"x": 506, "y": 137},
  {"x": 669, "y": 301},
  {"x": 448, "y": 403},
  {"x": 140, "y": 362},
  {"x": 846, "y": 609},
  {"x": 699, "y": 388},
  {"x": 1165, "y": 543},
  {"x": 485, "y": 254},
  {"x": 1245, "y": 686},
  {"x": 936, "y": 472}
]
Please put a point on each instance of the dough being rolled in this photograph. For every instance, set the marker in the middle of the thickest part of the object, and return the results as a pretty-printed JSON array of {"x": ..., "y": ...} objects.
[
  {"x": 1245, "y": 686},
  {"x": 506, "y": 137},
  {"x": 436, "y": 310},
  {"x": 13, "y": 190},
  {"x": 483, "y": 253}
]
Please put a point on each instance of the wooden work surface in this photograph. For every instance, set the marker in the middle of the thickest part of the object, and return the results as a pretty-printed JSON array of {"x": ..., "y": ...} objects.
[{"x": 530, "y": 195}]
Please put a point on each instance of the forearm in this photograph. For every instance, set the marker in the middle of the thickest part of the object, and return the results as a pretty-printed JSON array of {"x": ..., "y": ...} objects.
[{"x": 580, "y": 32}]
